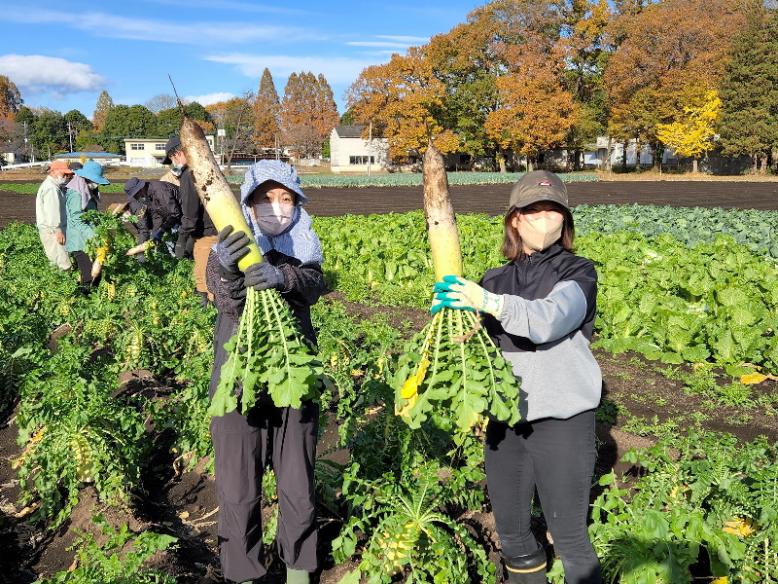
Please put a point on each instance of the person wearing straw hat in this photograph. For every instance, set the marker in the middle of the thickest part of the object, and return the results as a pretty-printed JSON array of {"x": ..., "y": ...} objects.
[
  {"x": 82, "y": 195},
  {"x": 50, "y": 214}
]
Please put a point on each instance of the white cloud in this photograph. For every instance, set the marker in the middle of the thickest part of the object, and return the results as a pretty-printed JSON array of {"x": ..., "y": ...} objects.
[
  {"x": 39, "y": 74},
  {"x": 378, "y": 44},
  {"x": 408, "y": 40},
  {"x": 108, "y": 25},
  {"x": 210, "y": 98},
  {"x": 337, "y": 70}
]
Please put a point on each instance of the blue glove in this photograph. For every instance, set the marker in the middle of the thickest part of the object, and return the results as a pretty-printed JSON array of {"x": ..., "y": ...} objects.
[
  {"x": 230, "y": 249},
  {"x": 461, "y": 294},
  {"x": 264, "y": 276}
]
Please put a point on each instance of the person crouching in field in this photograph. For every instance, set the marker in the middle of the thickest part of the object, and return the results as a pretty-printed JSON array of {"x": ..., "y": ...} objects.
[
  {"x": 285, "y": 438},
  {"x": 157, "y": 207},
  {"x": 82, "y": 195},
  {"x": 539, "y": 309},
  {"x": 50, "y": 214}
]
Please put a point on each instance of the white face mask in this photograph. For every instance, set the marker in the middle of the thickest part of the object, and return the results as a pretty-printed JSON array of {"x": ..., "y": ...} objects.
[
  {"x": 540, "y": 232},
  {"x": 177, "y": 170},
  {"x": 273, "y": 218},
  {"x": 60, "y": 180},
  {"x": 92, "y": 186}
]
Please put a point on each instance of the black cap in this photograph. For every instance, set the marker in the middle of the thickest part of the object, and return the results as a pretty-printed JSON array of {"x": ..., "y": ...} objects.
[
  {"x": 173, "y": 144},
  {"x": 133, "y": 186},
  {"x": 536, "y": 186}
]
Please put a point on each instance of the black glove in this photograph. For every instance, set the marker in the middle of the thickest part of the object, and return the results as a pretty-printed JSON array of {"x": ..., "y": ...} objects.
[
  {"x": 264, "y": 276},
  {"x": 232, "y": 247}
]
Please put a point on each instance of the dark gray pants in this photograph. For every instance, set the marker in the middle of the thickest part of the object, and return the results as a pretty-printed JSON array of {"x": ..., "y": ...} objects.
[
  {"x": 557, "y": 457},
  {"x": 243, "y": 445}
]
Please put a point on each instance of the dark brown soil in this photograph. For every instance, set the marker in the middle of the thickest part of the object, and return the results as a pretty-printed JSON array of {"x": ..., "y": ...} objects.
[{"x": 491, "y": 199}]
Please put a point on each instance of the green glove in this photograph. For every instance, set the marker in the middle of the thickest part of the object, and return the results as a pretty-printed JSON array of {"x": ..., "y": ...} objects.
[{"x": 460, "y": 294}]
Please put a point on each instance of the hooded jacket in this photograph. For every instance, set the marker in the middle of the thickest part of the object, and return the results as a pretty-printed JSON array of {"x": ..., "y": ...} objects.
[{"x": 544, "y": 331}]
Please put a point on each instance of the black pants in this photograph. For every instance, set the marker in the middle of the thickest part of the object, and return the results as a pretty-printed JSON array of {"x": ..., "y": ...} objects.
[
  {"x": 84, "y": 267},
  {"x": 557, "y": 457},
  {"x": 243, "y": 445}
]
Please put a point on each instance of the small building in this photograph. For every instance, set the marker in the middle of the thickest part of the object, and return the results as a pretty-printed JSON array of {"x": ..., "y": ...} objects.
[
  {"x": 150, "y": 152},
  {"x": 101, "y": 157},
  {"x": 350, "y": 152}
]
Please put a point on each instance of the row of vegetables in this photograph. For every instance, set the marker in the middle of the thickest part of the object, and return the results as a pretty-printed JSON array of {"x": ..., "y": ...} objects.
[{"x": 701, "y": 505}]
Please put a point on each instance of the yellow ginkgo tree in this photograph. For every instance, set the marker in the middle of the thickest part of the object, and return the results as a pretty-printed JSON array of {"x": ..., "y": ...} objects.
[{"x": 692, "y": 133}]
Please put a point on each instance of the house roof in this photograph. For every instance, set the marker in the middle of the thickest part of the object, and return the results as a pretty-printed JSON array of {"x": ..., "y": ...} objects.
[
  {"x": 350, "y": 131},
  {"x": 87, "y": 155}
]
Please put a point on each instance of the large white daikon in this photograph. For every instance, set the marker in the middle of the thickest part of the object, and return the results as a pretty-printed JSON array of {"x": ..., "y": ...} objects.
[{"x": 451, "y": 372}]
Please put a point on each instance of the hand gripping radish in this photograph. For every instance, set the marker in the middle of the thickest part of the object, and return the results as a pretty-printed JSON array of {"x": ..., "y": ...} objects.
[{"x": 451, "y": 372}]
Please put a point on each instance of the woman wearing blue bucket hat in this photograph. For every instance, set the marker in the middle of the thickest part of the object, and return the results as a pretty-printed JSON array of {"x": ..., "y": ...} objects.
[
  {"x": 282, "y": 438},
  {"x": 82, "y": 195}
]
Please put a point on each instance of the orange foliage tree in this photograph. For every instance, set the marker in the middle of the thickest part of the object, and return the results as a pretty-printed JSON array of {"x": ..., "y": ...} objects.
[
  {"x": 401, "y": 98},
  {"x": 266, "y": 113},
  {"x": 308, "y": 113},
  {"x": 663, "y": 49},
  {"x": 536, "y": 112}
]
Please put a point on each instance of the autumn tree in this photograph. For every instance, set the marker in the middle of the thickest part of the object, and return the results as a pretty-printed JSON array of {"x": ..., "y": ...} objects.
[
  {"x": 661, "y": 50},
  {"x": 749, "y": 91},
  {"x": 10, "y": 99},
  {"x": 692, "y": 131},
  {"x": 102, "y": 108},
  {"x": 308, "y": 113},
  {"x": 586, "y": 54},
  {"x": 536, "y": 112},
  {"x": 234, "y": 117},
  {"x": 402, "y": 99},
  {"x": 266, "y": 113}
]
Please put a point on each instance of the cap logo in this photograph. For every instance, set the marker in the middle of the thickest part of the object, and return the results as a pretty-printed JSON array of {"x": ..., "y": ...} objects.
[{"x": 544, "y": 183}]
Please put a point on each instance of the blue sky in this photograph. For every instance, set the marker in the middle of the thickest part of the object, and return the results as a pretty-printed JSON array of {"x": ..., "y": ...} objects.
[{"x": 62, "y": 54}]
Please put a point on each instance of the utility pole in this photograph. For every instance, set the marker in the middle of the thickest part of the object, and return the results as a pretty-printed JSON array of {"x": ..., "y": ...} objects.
[
  {"x": 369, "y": 145},
  {"x": 70, "y": 137}
]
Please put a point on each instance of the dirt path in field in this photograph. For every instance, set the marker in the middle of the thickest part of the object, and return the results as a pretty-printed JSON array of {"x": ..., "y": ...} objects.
[{"x": 490, "y": 199}]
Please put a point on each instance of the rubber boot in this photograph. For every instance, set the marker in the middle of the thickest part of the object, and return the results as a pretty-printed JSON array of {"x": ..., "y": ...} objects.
[
  {"x": 297, "y": 576},
  {"x": 529, "y": 569},
  {"x": 203, "y": 298}
]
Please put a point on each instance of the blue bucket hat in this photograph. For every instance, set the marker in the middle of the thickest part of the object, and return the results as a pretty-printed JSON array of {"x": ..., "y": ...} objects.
[
  {"x": 94, "y": 172},
  {"x": 271, "y": 170}
]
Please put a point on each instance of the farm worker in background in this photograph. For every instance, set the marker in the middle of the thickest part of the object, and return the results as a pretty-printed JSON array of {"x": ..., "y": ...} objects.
[
  {"x": 82, "y": 195},
  {"x": 157, "y": 206},
  {"x": 272, "y": 201},
  {"x": 50, "y": 214},
  {"x": 197, "y": 234},
  {"x": 539, "y": 308}
]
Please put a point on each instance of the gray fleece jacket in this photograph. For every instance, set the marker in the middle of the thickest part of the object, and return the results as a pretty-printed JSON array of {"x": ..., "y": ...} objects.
[{"x": 545, "y": 329}]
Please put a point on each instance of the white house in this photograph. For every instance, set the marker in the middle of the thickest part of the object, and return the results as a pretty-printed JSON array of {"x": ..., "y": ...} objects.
[
  {"x": 349, "y": 152},
  {"x": 149, "y": 152}
]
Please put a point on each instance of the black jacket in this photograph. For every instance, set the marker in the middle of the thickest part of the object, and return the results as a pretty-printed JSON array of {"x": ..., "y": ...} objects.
[
  {"x": 160, "y": 211},
  {"x": 304, "y": 285},
  {"x": 195, "y": 221}
]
